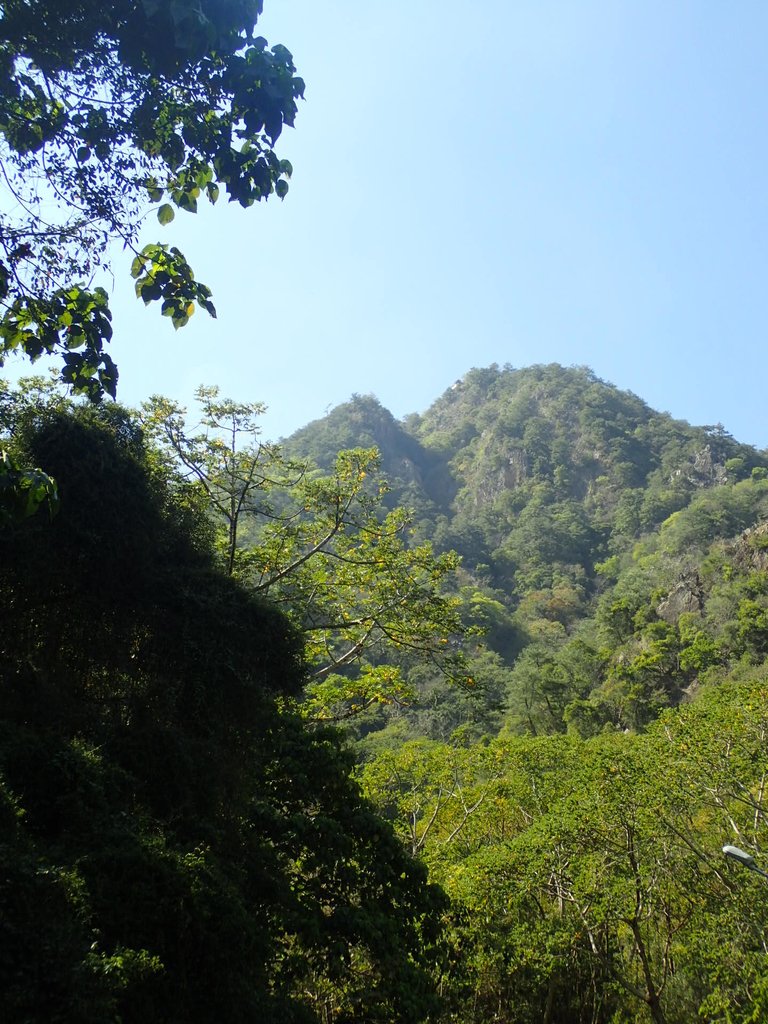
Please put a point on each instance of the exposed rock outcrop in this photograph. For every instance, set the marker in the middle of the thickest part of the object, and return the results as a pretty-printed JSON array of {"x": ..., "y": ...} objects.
[
  {"x": 750, "y": 551},
  {"x": 687, "y": 595}
]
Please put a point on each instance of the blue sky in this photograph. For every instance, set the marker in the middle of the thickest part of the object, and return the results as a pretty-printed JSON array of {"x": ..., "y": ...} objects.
[{"x": 518, "y": 181}]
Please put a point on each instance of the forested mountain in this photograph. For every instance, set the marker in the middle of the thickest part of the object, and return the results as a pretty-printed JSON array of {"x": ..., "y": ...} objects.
[
  {"x": 444, "y": 721},
  {"x": 547, "y": 737},
  {"x": 590, "y": 465},
  {"x": 573, "y": 795},
  {"x": 611, "y": 553}
]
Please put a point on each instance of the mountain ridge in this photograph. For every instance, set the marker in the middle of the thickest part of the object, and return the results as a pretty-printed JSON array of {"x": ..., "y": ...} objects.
[
  {"x": 497, "y": 431},
  {"x": 604, "y": 544}
]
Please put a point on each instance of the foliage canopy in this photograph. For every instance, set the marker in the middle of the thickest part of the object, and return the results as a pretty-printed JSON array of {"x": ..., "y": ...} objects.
[
  {"x": 323, "y": 547},
  {"x": 104, "y": 108},
  {"x": 194, "y": 851}
]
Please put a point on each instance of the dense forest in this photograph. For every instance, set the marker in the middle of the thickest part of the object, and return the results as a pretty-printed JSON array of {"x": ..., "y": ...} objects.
[
  {"x": 573, "y": 790},
  {"x": 445, "y": 719}
]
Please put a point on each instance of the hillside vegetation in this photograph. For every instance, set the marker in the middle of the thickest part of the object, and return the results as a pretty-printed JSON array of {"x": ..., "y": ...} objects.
[
  {"x": 439, "y": 720},
  {"x": 612, "y": 554},
  {"x": 573, "y": 795}
]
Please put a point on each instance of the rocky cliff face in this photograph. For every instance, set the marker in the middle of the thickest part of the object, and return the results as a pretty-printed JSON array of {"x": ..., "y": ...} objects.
[
  {"x": 750, "y": 551},
  {"x": 686, "y": 596},
  {"x": 703, "y": 470}
]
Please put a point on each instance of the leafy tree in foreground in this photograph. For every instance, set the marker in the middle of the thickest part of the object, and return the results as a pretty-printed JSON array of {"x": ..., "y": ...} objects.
[
  {"x": 105, "y": 107},
  {"x": 176, "y": 846},
  {"x": 321, "y": 547}
]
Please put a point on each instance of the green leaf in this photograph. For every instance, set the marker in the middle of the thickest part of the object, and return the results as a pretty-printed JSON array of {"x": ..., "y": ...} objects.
[
  {"x": 165, "y": 214},
  {"x": 188, "y": 202},
  {"x": 204, "y": 176}
]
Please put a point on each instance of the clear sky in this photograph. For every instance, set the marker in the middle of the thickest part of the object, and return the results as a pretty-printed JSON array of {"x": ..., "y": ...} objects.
[{"x": 521, "y": 181}]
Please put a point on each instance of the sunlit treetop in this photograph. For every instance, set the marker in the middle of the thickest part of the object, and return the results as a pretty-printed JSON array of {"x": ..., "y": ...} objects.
[{"x": 105, "y": 109}]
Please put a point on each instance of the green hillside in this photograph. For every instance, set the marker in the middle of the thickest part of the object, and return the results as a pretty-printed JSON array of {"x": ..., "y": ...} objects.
[
  {"x": 441, "y": 721},
  {"x": 599, "y": 542},
  {"x": 573, "y": 795}
]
